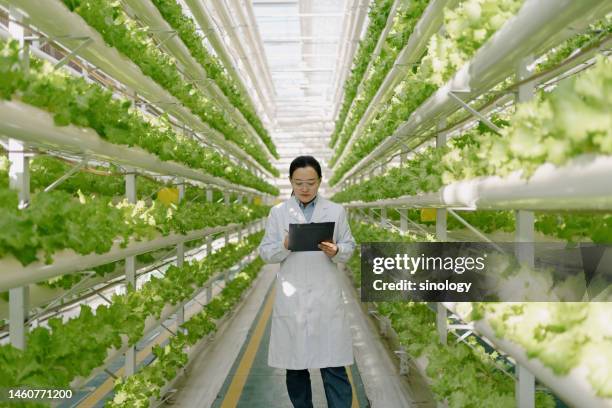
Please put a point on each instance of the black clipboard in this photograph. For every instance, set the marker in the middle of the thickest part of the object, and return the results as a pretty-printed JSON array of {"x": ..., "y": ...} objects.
[{"x": 307, "y": 237}]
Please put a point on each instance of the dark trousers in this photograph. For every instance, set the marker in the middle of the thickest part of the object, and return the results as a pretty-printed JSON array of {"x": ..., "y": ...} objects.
[{"x": 338, "y": 391}]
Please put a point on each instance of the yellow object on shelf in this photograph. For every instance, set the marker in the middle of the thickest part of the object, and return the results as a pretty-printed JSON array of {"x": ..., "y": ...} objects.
[
  {"x": 428, "y": 214},
  {"x": 168, "y": 195}
]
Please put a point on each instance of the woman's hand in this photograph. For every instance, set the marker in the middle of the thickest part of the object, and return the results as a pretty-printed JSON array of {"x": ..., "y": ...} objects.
[
  {"x": 286, "y": 242},
  {"x": 329, "y": 248}
]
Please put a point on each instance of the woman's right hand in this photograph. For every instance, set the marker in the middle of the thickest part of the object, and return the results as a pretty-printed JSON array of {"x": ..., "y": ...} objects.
[{"x": 286, "y": 242}]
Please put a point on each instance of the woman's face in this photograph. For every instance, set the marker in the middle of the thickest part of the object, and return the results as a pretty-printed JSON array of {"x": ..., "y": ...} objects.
[{"x": 305, "y": 182}]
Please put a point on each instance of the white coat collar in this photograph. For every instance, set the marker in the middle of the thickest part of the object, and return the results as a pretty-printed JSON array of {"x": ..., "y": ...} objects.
[{"x": 296, "y": 212}]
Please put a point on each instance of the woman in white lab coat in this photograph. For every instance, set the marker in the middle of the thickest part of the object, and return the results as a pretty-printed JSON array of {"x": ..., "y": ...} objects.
[{"x": 310, "y": 327}]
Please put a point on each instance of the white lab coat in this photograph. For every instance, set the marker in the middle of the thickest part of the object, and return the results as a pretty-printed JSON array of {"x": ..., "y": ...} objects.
[{"x": 310, "y": 327}]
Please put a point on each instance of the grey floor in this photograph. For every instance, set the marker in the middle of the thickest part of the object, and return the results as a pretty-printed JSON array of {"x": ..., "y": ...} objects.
[{"x": 380, "y": 386}]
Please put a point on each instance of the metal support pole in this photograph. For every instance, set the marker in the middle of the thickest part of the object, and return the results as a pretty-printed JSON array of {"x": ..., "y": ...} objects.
[
  {"x": 19, "y": 171},
  {"x": 525, "y": 91},
  {"x": 130, "y": 268},
  {"x": 441, "y": 213},
  {"x": 181, "y": 188},
  {"x": 226, "y": 237},
  {"x": 73, "y": 53},
  {"x": 474, "y": 112},
  {"x": 226, "y": 198},
  {"x": 18, "y": 313},
  {"x": 403, "y": 219},
  {"x": 441, "y": 323},
  {"x": 239, "y": 234},
  {"x": 526, "y": 236},
  {"x": 525, "y": 384},
  {"x": 209, "y": 248},
  {"x": 130, "y": 279},
  {"x": 209, "y": 195},
  {"x": 19, "y": 179},
  {"x": 66, "y": 176},
  {"x": 442, "y": 235},
  {"x": 16, "y": 31},
  {"x": 525, "y": 219},
  {"x": 239, "y": 198},
  {"x": 209, "y": 294},
  {"x": 180, "y": 253},
  {"x": 525, "y": 388},
  {"x": 130, "y": 184},
  {"x": 383, "y": 217},
  {"x": 479, "y": 234}
]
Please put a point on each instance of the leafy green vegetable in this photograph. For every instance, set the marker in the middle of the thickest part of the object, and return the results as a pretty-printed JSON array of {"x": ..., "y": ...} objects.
[
  {"x": 186, "y": 28},
  {"x": 75, "y": 101},
  {"x": 377, "y": 17},
  {"x": 138, "y": 389},
  {"x": 406, "y": 18},
  {"x": 560, "y": 335},
  {"x": 468, "y": 26},
  {"x": 57, "y": 220},
  {"x": 123, "y": 33},
  {"x": 58, "y": 354},
  {"x": 570, "y": 121}
]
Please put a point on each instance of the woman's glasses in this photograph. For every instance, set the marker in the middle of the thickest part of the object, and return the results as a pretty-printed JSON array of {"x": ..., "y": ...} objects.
[{"x": 304, "y": 185}]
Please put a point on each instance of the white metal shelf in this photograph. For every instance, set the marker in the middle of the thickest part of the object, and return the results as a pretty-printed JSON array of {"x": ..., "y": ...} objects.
[
  {"x": 229, "y": 29},
  {"x": 148, "y": 14},
  {"x": 375, "y": 53},
  {"x": 429, "y": 23},
  {"x": 35, "y": 126},
  {"x": 245, "y": 14},
  {"x": 572, "y": 66},
  {"x": 150, "y": 324},
  {"x": 351, "y": 36},
  {"x": 14, "y": 274},
  {"x": 40, "y": 296},
  {"x": 537, "y": 26},
  {"x": 582, "y": 184},
  {"x": 113, "y": 353},
  {"x": 573, "y": 388},
  {"x": 68, "y": 28},
  {"x": 207, "y": 26}
]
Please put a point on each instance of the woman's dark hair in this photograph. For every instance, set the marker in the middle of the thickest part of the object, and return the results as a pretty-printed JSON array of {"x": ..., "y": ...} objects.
[{"x": 304, "y": 161}]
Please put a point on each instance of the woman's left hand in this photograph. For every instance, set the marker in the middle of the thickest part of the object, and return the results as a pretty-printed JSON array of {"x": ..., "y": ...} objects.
[{"x": 329, "y": 248}]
